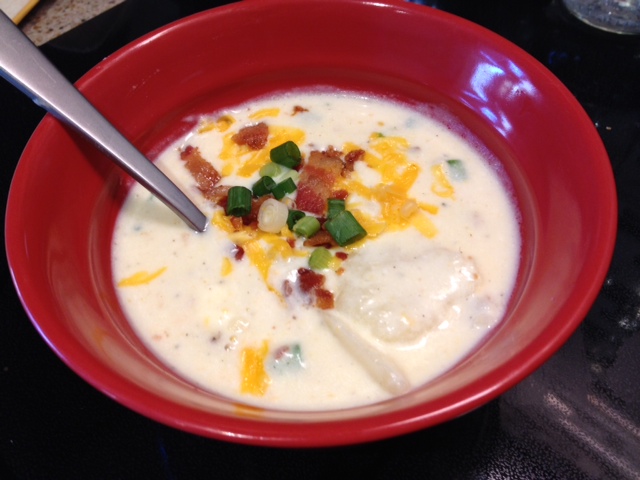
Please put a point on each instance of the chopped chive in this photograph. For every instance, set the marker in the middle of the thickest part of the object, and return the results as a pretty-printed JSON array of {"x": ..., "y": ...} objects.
[
  {"x": 457, "y": 170},
  {"x": 320, "y": 259},
  {"x": 263, "y": 186},
  {"x": 335, "y": 206},
  {"x": 238, "y": 201},
  {"x": 287, "y": 154},
  {"x": 283, "y": 188},
  {"x": 294, "y": 216},
  {"x": 345, "y": 229},
  {"x": 271, "y": 170},
  {"x": 307, "y": 226}
]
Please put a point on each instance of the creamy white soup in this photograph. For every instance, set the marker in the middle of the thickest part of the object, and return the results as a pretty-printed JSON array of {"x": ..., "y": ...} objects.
[{"x": 357, "y": 249}]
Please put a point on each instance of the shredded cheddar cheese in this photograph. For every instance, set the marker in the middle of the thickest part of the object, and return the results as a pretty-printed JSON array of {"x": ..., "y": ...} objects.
[
  {"x": 222, "y": 124},
  {"x": 441, "y": 186},
  {"x": 227, "y": 267},
  {"x": 277, "y": 136},
  {"x": 424, "y": 225},
  {"x": 398, "y": 210},
  {"x": 258, "y": 257},
  {"x": 221, "y": 221},
  {"x": 246, "y": 162},
  {"x": 255, "y": 380},
  {"x": 264, "y": 249},
  {"x": 264, "y": 113},
  {"x": 373, "y": 226},
  {"x": 141, "y": 278}
]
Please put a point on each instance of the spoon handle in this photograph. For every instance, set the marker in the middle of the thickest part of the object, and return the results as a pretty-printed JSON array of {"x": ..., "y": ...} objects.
[{"x": 24, "y": 66}]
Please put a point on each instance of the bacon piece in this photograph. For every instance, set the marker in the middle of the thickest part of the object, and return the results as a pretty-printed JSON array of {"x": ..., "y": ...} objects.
[
  {"x": 340, "y": 194},
  {"x": 252, "y": 217},
  {"x": 236, "y": 222},
  {"x": 317, "y": 178},
  {"x": 309, "y": 280},
  {"x": 321, "y": 239},
  {"x": 312, "y": 283},
  {"x": 350, "y": 158},
  {"x": 332, "y": 152},
  {"x": 254, "y": 136},
  {"x": 323, "y": 299},
  {"x": 238, "y": 252},
  {"x": 342, "y": 255},
  {"x": 205, "y": 174},
  {"x": 298, "y": 109},
  {"x": 219, "y": 194}
]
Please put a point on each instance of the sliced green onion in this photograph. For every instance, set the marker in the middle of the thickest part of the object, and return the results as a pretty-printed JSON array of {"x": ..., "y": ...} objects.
[
  {"x": 292, "y": 174},
  {"x": 283, "y": 188},
  {"x": 272, "y": 216},
  {"x": 335, "y": 207},
  {"x": 307, "y": 226},
  {"x": 320, "y": 259},
  {"x": 457, "y": 170},
  {"x": 287, "y": 154},
  {"x": 263, "y": 186},
  {"x": 345, "y": 229},
  {"x": 271, "y": 169},
  {"x": 288, "y": 357},
  {"x": 239, "y": 201},
  {"x": 294, "y": 216}
]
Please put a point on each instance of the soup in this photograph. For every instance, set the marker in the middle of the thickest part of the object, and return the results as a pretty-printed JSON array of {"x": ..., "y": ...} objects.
[{"x": 358, "y": 247}]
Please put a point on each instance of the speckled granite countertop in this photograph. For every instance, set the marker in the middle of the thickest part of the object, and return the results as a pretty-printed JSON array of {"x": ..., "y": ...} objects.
[{"x": 51, "y": 18}]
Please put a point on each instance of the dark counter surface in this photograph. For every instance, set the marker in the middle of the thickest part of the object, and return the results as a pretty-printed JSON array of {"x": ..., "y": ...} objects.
[{"x": 577, "y": 417}]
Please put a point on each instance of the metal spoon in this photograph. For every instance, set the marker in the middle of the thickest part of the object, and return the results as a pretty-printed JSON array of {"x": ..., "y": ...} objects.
[{"x": 24, "y": 66}]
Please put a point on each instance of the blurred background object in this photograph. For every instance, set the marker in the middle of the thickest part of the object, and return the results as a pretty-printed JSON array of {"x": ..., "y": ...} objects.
[{"x": 617, "y": 16}]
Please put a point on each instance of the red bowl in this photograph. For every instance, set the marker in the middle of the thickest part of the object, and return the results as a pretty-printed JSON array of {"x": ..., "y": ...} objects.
[{"x": 65, "y": 196}]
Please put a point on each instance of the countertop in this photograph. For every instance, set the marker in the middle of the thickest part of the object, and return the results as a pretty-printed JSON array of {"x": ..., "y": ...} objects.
[
  {"x": 51, "y": 18},
  {"x": 577, "y": 417},
  {"x": 46, "y": 20}
]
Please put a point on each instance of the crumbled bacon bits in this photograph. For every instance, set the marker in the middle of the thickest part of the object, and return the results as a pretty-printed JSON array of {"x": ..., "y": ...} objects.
[
  {"x": 238, "y": 252},
  {"x": 298, "y": 109},
  {"x": 254, "y": 136},
  {"x": 321, "y": 239},
  {"x": 342, "y": 255},
  {"x": 340, "y": 194},
  {"x": 317, "y": 178},
  {"x": 311, "y": 284},
  {"x": 205, "y": 174},
  {"x": 350, "y": 159}
]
